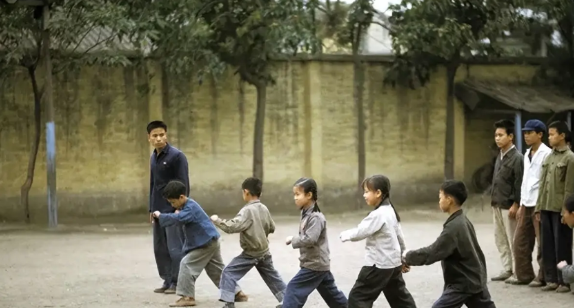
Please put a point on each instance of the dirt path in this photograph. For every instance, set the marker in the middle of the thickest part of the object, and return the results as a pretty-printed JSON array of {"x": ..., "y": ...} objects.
[{"x": 88, "y": 267}]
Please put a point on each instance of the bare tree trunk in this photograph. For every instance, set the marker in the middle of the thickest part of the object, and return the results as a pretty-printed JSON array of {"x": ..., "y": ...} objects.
[
  {"x": 259, "y": 130},
  {"x": 449, "y": 136},
  {"x": 25, "y": 189},
  {"x": 358, "y": 84}
]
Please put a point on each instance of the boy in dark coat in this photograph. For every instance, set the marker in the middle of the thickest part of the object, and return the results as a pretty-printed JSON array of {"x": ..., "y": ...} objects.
[{"x": 462, "y": 260}]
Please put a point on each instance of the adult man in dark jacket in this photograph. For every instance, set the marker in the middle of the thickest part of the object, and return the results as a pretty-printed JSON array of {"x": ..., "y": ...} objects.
[
  {"x": 166, "y": 164},
  {"x": 506, "y": 193}
]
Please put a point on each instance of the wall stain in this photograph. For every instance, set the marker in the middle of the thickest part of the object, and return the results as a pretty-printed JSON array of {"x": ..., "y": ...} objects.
[
  {"x": 131, "y": 101},
  {"x": 101, "y": 91},
  {"x": 425, "y": 117},
  {"x": 241, "y": 110},
  {"x": 67, "y": 99},
  {"x": 371, "y": 120},
  {"x": 166, "y": 97},
  {"x": 383, "y": 94},
  {"x": 142, "y": 109},
  {"x": 294, "y": 102},
  {"x": 403, "y": 115},
  {"x": 213, "y": 118},
  {"x": 181, "y": 109}
]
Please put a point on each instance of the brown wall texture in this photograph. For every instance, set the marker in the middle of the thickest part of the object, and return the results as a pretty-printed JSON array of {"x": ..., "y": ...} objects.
[{"x": 310, "y": 130}]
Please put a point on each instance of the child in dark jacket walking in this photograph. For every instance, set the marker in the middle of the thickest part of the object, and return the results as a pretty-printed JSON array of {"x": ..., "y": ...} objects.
[
  {"x": 462, "y": 260},
  {"x": 314, "y": 258}
]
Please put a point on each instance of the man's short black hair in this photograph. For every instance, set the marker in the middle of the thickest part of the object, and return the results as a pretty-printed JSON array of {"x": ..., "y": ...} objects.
[
  {"x": 253, "y": 185},
  {"x": 561, "y": 128},
  {"x": 156, "y": 124},
  {"x": 569, "y": 203},
  {"x": 173, "y": 190},
  {"x": 507, "y": 125},
  {"x": 456, "y": 189}
]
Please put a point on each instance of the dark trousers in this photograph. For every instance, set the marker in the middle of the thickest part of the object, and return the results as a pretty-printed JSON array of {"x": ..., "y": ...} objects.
[
  {"x": 240, "y": 266},
  {"x": 305, "y": 282},
  {"x": 540, "y": 275},
  {"x": 452, "y": 298},
  {"x": 524, "y": 240},
  {"x": 556, "y": 245},
  {"x": 167, "y": 247},
  {"x": 372, "y": 281}
]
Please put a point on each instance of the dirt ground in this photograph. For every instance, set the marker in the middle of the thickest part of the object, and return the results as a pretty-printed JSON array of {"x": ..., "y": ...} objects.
[{"x": 113, "y": 266}]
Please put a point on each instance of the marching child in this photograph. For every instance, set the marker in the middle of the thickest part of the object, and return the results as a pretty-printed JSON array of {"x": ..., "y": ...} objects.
[
  {"x": 568, "y": 219},
  {"x": 315, "y": 273},
  {"x": 462, "y": 260},
  {"x": 254, "y": 224},
  {"x": 383, "y": 269},
  {"x": 201, "y": 247}
]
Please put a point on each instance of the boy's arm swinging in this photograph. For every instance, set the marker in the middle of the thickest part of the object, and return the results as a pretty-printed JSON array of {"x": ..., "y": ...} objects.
[
  {"x": 238, "y": 224},
  {"x": 443, "y": 247},
  {"x": 185, "y": 216}
]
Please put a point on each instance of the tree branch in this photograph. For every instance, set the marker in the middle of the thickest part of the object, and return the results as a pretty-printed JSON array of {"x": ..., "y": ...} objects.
[{"x": 383, "y": 25}]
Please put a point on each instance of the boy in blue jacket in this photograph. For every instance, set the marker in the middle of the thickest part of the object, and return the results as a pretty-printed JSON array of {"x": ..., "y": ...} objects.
[{"x": 201, "y": 247}]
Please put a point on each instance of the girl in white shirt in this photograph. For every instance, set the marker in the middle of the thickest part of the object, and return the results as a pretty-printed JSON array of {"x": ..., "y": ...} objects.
[{"x": 383, "y": 269}]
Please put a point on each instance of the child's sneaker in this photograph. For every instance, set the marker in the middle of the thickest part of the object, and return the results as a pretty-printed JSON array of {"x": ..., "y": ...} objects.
[
  {"x": 184, "y": 302},
  {"x": 241, "y": 297}
]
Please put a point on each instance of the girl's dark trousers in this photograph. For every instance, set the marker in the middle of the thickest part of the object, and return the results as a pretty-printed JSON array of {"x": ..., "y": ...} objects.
[
  {"x": 372, "y": 281},
  {"x": 305, "y": 282}
]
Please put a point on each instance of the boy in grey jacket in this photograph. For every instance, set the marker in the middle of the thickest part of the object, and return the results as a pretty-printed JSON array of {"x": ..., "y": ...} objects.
[
  {"x": 313, "y": 246},
  {"x": 254, "y": 224}
]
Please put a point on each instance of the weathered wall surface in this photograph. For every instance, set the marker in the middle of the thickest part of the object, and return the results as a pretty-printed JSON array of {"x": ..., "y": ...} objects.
[{"x": 310, "y": 130}]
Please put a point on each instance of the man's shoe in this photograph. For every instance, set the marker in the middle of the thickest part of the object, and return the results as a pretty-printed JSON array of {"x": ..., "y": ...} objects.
[
  {"x": 502, "y": 277},
  {"x": 161, "y": 290},
  {"x": 563, "y": 289},
  {"x": 184, "y": 302},
  {"x": 550, "y": 287},
  {"x": 241, "y": 297},
  {"x": 170, "y": 290},
  {"x": 514, "y": 281},
  {"x": 536, "y": 284}
]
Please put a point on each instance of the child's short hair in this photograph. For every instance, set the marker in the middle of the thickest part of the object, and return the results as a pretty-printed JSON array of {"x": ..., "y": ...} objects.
[
  {"x": 455, "y": 189},
  {"x": 569, "y": 203},
  {"x": 253, "y": 185},
  {"x": 173, "y": 190}
]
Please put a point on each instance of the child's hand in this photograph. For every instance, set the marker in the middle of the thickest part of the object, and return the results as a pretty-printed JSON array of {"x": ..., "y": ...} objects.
[
  {"x": 288, "y": 240},
  {"x": 214, "y": 218},
  {"x": 177, "y": 211},
  {"x": 561, "y": 265},
  {"x": 343, "y": 237},
  {"x": 406, "y": 268},
  {"x": 156, "y": 214}
]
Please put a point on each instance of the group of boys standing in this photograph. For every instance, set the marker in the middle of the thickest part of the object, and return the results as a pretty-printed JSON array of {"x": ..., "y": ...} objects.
[{"x": 528, "y": 194}]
